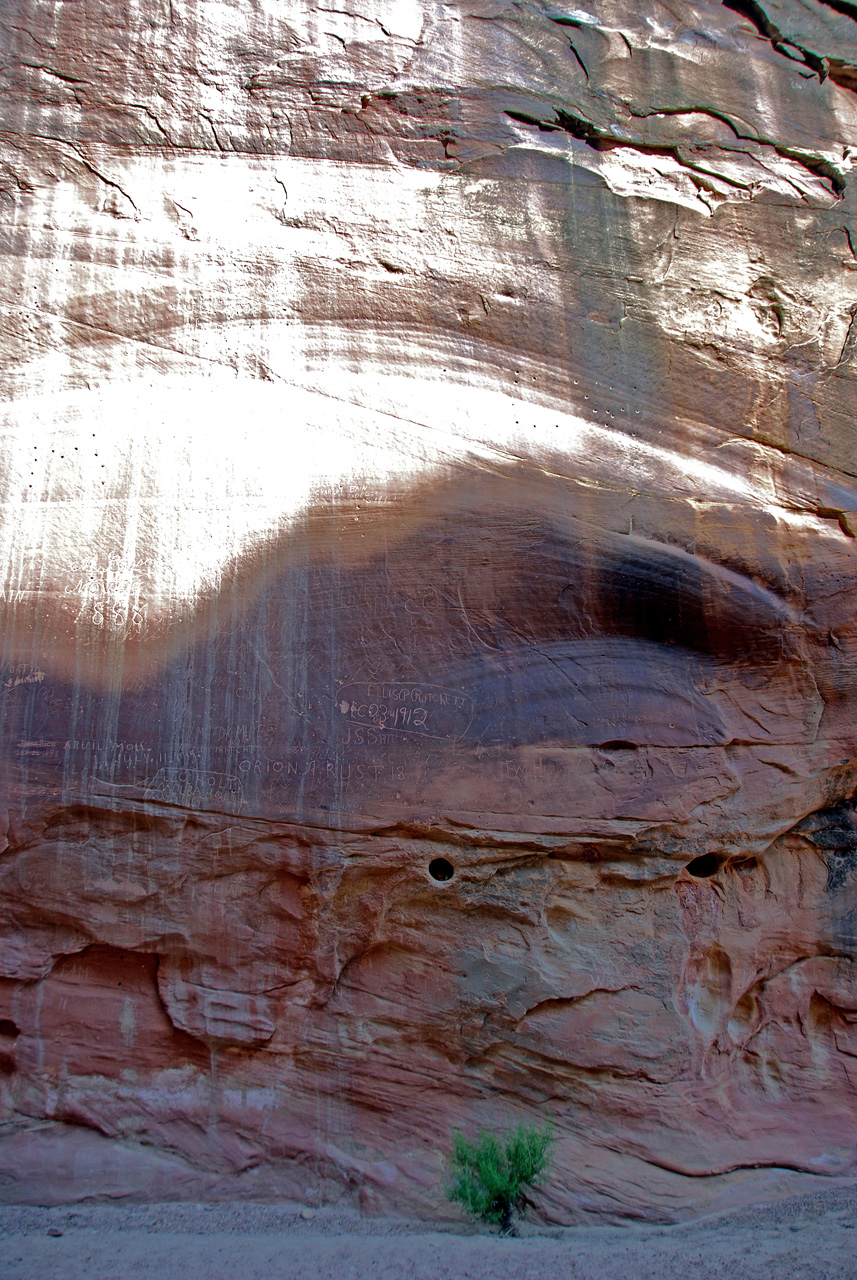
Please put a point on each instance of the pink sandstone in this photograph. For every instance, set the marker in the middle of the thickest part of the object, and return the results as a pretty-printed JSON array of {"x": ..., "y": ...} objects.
[{"x": 429, "y": 679}]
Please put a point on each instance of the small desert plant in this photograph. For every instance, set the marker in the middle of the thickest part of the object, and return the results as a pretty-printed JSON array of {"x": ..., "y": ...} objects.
[{"x": 490, "y": 1173}]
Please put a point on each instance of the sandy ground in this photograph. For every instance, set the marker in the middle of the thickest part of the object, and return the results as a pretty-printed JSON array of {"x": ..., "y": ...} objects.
[{"x": 809, "y": 1236}]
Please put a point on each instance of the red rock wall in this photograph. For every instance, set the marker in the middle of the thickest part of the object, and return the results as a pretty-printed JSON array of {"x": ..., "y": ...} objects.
[{"x": 428, "y": 527}]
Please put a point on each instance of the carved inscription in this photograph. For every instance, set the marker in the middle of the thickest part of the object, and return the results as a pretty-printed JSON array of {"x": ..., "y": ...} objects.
[
  {"x": 194, "y": 788},
  {"x": 22, "y": 674},
  {"x": 318, "y": 770},
  {"x": 37, "y": 749},
  {"x": 378, "y": 709}
]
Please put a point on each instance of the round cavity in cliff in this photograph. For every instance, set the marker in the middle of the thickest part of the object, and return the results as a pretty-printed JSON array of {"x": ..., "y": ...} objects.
[
  {"x": 704, "y": 866},
  {"x": 8, "y": 1028},
  {"x": 441, "y": 869}
]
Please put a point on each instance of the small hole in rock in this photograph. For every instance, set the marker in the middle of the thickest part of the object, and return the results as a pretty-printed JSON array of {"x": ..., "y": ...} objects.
[
  {"x": 8, "y": 1028},
  {"x": 441, "y": 869},
  {"x": 705, "y": 865}
]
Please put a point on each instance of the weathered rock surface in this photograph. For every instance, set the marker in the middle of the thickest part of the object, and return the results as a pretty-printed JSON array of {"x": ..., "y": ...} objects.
[{"x": 429, "y": 685}]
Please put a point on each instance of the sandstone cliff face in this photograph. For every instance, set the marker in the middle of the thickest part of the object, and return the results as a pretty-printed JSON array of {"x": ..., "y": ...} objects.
[{"x": 429, "y": 498}]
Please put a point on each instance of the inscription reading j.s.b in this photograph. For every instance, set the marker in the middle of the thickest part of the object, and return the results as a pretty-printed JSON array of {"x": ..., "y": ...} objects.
[{"x": 423, "y": 709}]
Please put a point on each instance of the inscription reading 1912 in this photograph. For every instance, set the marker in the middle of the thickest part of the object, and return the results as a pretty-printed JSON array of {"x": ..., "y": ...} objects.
[{"x": 423, "y": 709}]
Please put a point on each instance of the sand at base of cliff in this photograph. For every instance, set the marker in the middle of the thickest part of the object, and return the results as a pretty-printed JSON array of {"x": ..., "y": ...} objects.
[{"x": 810, "y": 1236}]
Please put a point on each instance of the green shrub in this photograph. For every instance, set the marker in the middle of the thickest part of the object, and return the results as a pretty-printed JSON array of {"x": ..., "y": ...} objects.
[{"x": 489, "y": 1174}]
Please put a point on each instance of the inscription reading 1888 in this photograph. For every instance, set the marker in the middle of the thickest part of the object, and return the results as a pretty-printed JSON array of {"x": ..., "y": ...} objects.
[{"x": 423, "y": 709}]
